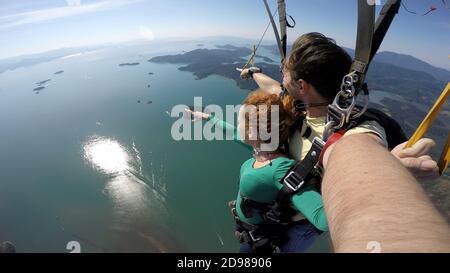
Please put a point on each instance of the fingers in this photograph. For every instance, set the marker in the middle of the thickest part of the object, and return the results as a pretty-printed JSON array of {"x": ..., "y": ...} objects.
[
  {"x": 420, "y": 148},
  {"x": 423, "y": 163},
  {"x": 417, "y": 159},
  {"x": 423, "y": 168},
  {"x": 427, "y": 163}
]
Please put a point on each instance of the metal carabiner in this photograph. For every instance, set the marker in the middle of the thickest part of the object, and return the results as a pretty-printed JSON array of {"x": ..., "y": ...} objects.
[
  {"x": 346, "y": 110},
  {"x": 362, "y": 110}
]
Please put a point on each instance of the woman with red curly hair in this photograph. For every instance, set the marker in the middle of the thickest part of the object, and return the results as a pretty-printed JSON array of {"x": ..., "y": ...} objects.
[{"x": 260, "y": 181}]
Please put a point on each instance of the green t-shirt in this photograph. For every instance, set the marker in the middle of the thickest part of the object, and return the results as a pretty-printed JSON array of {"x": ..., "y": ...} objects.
[{"x": 262, "y": 185}]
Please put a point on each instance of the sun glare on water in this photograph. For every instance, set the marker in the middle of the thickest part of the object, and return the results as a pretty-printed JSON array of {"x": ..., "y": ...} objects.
[{"x": 107, "y": 155}]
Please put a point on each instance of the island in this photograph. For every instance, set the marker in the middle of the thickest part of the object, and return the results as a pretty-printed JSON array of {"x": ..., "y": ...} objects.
[
  {"x": 150, "y": 73},
  {"x": 266, "y": 59},
  {"x": 221, "y": 61},
  {"x": 43, "y": 82},
  {"x": 128, "y": 64},
  {"x": 59, "y": 72},
  {"x": 149, "y": 102},
  {"x": 230, "y": 47},
  {"x": 39, "y": 88}
]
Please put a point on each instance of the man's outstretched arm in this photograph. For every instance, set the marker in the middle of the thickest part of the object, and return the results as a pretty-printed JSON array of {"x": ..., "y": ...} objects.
[
  {"x": 370, "y": 198},
  {"x": 263, "y": 81}
]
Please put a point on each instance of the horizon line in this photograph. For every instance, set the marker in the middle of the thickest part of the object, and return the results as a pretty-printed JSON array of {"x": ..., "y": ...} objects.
[{"x": 180, "y": 39}]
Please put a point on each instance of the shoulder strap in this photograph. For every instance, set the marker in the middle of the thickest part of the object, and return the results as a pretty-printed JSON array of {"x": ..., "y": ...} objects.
[
  {"x": 370, "y": 35},
  {"x": 364, "y": 38},
  {"x": 275, "y": 30},
  {"x": 301, "y": 173},
  {"x": 384, "y": 21}
]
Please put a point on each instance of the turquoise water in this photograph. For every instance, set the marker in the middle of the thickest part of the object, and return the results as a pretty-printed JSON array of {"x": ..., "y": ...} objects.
[{"x": 84, "y": 161}]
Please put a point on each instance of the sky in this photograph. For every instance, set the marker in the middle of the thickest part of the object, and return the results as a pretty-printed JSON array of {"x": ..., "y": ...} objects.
[{"x": 33, "y": 26}]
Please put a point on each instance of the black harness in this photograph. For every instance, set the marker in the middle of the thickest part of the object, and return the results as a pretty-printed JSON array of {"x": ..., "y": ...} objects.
[{"x": 277, "y": 215}]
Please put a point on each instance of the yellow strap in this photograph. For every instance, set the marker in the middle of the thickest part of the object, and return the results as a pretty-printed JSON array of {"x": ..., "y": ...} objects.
[
  {"x": 426, "y": 123},
  {"x": 445, "y": 157}
]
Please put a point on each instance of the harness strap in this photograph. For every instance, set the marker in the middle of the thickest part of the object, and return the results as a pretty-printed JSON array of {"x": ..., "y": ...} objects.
[
  {"x": 331, "y": 140},
  {"x": 366, "y": 22},
  {"x": 275, "y": 30},
  {"x": 248, "y": 204},
  {"x": 294, "y": 179},
  {"x": 387, "y": 14},
  {"x": 283, "y": 26},
  {"x": 299, "y": 174},
  {"x": 369, "y": 39},
  {"x": 262, "y": 238}
]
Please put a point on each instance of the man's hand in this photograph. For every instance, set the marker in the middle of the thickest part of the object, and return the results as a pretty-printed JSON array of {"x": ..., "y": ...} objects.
[
  {"x": 417, "y": 160},
  {"x": 245, "y": 74},
  {"x": 248, "y": 72}
]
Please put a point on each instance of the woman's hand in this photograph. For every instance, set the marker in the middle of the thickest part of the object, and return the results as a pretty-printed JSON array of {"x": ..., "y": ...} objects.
[
  {"x": 417, "y": 159},
  {"x": 196, "y": 116}
]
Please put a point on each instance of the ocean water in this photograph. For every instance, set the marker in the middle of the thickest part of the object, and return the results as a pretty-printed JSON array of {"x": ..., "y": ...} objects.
[{"x": 83, "y": 161}]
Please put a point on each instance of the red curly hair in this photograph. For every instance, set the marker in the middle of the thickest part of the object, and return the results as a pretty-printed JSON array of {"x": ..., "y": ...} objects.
[{"x": 259, "y": 98}]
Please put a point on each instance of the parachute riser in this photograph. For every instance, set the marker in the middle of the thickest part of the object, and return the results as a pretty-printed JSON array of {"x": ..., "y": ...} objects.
[
  {"x": 275, "y": 30},
  {"x": 343, "y": 109}
]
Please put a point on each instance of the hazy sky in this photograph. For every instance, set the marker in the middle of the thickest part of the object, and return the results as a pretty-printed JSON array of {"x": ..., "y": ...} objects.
[{"x": 30, "y": 26}]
